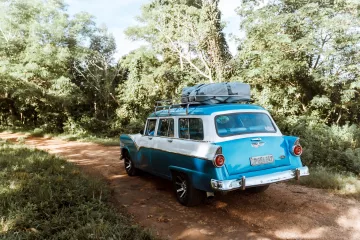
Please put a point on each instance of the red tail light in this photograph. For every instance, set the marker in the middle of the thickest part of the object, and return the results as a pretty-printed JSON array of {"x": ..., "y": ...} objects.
[
  {"x": 297, "y": 150},
  {"x": 219, "y": 160}
]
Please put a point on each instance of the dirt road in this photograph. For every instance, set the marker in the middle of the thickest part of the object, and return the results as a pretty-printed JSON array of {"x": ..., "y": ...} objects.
[{"x": 283, "y": 212}]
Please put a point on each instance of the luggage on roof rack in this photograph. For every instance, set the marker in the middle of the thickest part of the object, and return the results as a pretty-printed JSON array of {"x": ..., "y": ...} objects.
[{"x": 215, "y": 93}]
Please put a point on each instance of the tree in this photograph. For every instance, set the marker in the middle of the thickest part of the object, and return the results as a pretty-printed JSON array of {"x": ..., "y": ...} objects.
[
  {"x": 54, "y": 68},
  {"x": 148, "y": 79},
  {"x": 190, "y": 30},
  {"x": 303, "y": 58}
]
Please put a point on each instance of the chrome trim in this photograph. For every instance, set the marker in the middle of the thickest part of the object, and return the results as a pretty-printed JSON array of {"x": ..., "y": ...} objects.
[
  {"x": 228, "y": 185},
  {"x": 243, "y": 183},
  {"x": 256, "y": 139}
]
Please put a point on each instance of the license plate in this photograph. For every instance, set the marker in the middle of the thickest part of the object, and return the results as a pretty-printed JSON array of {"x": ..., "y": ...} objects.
[{"x": 255, "y": 161}]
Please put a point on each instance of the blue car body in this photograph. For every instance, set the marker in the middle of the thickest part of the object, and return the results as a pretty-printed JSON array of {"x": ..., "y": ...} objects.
[{"x": 188, "y": 139}]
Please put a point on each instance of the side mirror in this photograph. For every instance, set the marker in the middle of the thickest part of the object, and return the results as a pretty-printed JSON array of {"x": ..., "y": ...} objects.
[{"x": 142, "y": 132}]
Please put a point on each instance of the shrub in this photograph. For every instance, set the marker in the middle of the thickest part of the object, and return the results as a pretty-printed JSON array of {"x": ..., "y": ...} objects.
[
  {"x": 37, "y": 132},
  {"x": 337, "y": 147},
  {"x": 326, "y": 178}
]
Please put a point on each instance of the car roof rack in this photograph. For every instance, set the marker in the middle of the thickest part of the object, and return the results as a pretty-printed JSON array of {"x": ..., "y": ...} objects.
[{"x": 169, "y": 103}]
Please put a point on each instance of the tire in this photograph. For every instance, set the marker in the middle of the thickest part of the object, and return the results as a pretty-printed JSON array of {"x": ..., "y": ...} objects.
[
  {"x": 129, "y": 165},
  {"x": 185, "y": 193},
  {"x": 259, "y": 189}
]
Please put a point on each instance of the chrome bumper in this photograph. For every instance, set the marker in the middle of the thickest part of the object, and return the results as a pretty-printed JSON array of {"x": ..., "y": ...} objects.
[{"x": 243, "y": 183}]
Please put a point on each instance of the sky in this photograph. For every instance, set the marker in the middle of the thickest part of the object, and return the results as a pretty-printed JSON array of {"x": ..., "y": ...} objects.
[{"x": 118, "y": 15}]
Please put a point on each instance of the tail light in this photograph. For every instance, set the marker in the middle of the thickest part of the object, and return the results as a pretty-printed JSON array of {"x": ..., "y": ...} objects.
[
  {"x": 219, "y": 160},
  {"x": 297, "y": 149}
]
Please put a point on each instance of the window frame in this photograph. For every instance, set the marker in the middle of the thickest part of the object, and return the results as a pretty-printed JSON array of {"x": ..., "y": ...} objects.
[
  {"x": 147, "y": 124},
  {"x": 203, "y": 129},
  {"x": 237, "y": 134},
  {"x": 158, "y": 125}
]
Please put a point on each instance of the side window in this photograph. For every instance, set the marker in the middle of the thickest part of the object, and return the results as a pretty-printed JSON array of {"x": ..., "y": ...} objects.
[
  {"x": 166, "y": 127},
  {"x": 150, "y": 127},
  {"x": 191, "y": 128}
]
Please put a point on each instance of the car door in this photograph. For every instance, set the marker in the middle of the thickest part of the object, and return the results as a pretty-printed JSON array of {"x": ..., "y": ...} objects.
[
  {"x": 145, "y": 145},
  {"x": 163, "y": 146}
]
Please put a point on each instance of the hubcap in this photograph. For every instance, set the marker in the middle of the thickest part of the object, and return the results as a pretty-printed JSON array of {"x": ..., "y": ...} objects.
[
  {"x": 181, "y": 187},
  {"x": 127, "y": 164}
]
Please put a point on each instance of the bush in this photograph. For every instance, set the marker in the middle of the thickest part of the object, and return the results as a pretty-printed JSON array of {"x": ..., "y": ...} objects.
[
  {"x": 336, "y": 147},
  {"x": 44, "y": 197},
  {"x": 37, "y": 132},
  {"x": 326, "y": 178}
]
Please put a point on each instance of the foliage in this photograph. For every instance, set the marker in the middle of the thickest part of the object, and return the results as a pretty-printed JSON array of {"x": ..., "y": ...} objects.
[
  {"x": 190, "y": 32},
  {"x": 302, "y": 58},
  {"x": 149, "y": 79},
  {"x": 53, "y": 67},
  {"x": 339, "y": 182},
  {"x": 336, "y": 147},
  {"x": 44, "y": 197}
]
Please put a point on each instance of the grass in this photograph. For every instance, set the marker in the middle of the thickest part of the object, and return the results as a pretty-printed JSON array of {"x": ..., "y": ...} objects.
[
  {"x": 37, "y": 132},
  {"x": 346, "y": 184},
  {"x": 45, "y": 197},
  {"x": 88, "y": 138}
]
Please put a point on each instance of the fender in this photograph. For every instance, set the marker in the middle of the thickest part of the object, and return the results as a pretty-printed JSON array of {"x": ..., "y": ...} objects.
[
  {"x": 127, "y": 143},
  {"x": 295, "y": 160}
]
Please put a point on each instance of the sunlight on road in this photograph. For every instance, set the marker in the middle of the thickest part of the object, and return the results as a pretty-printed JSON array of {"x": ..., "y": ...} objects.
[
  {"x": 296, "y": 233},
  {"x": 351, "y": 222}
]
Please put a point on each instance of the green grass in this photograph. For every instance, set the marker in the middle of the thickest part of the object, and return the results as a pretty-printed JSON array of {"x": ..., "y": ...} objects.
[
  {"x": 45, "y": 197},
  {"x": 88, "y": 138},
  {"x": 37, "y": 132},
  {"x": 346, "y": 184}
]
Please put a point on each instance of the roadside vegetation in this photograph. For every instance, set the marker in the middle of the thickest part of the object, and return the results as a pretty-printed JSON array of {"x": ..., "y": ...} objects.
[
  {"x": 45, "y": 197},
  {"x": 340, "y": 183},
  {"x": 37, "y": 132}
]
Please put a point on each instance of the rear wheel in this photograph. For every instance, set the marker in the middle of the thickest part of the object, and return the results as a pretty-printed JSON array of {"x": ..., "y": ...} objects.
[
  {"x": 259, "y": 189},
  {"x": 129, "y": 165},
  {"x": 185, "y": 193}
]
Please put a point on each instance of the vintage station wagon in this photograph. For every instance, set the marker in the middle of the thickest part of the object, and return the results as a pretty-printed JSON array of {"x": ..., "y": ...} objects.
[{"x": 205, "y": 149}]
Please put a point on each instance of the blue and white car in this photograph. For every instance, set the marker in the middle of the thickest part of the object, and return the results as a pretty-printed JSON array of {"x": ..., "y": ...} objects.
[{"x": 205, "y": 149}]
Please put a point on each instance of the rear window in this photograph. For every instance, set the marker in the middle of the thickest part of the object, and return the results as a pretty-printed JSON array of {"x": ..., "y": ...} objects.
[
  {"x": 191, "y": 128},
  {"x": 243, "y": 123}
]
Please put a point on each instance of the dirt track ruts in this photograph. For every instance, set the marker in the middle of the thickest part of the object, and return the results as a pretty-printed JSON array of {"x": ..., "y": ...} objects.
[{"x": 283, "y": 212}]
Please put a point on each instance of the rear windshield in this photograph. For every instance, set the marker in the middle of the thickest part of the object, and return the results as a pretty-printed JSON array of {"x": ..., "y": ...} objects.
[{"x": 243, "y": 123}]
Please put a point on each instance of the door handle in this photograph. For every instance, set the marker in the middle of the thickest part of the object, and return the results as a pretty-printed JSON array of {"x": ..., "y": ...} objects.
[
  {"x": 170, "y": 140},
  {"x": 150, "y": 138}
]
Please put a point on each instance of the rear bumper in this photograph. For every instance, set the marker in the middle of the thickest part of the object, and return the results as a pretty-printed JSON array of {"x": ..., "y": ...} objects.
[{"x": 243, "y": 183}]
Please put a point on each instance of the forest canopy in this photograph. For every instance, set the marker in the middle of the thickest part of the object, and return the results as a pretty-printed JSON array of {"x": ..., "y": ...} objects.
[{"x": 58, "y": 72}]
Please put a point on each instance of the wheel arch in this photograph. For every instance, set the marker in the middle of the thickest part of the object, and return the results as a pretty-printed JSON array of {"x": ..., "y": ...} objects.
[
  {"x": 199, "y": 180},
  {"x": 123, "y": 151}
]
